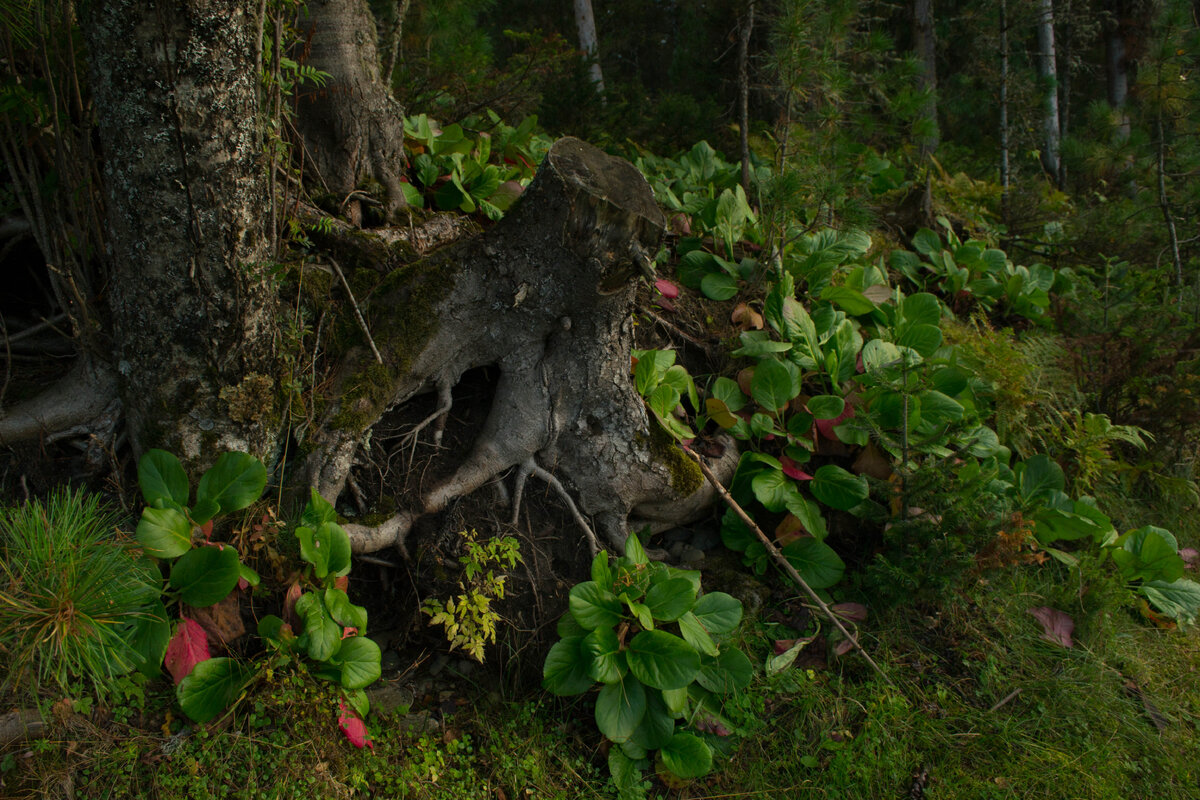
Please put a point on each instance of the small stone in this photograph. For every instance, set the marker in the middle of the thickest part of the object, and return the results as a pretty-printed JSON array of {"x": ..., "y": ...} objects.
[
  {"x": 691, "y": 555},
  {"x": 676, "y": 550},
  {"x": 706, "y": 539},
  {"x": 439, "y": 663}
]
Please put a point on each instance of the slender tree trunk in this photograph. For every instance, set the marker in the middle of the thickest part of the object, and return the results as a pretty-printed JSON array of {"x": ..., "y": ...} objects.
[
  {"x": 192, "y": 307},
  {"x": 391, "y": 42},
  {"x": 1116, "y": 68},
  {"x": 585, "y": 22},
  {"x": 352, "y": 129},
  {"x": 1005, "y": 173},
  {"x": 746, "y": 28},
  {"x": 1048, "y": 72},
  {"x": 1064, "y": 44},
  {"x": 926, "y": 47}
]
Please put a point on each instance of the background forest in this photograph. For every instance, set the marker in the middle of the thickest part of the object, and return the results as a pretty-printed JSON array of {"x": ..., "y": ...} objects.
[{"x": 931, "y": 273}]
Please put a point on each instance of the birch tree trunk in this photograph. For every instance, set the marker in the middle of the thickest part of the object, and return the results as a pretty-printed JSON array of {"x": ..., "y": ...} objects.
[
  {"x": 1048, "y": 72},
  {"x": 585, "y": 22}
]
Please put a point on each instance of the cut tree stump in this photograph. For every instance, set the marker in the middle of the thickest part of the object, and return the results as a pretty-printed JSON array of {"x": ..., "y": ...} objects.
[{"x": 547, "y": 298}]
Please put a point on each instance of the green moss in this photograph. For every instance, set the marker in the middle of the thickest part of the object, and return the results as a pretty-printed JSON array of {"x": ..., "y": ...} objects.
[
  {"x": 686, "y": 477},
  {"x": 401, "y": 316}
]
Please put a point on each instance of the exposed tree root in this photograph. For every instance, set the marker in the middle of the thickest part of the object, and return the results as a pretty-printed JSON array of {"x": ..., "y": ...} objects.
[{"x": 83, "y": 402}]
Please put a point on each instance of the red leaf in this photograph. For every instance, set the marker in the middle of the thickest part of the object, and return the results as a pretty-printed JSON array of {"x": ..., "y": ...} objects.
[
  {"x": 206, "y": 529},
  {"x": 826, "y": 426},
  {"x": 1189, "y": 556},
  {"x": 855, "y": 612},
  {"x": 792, "y": 469},
  {"x": 666, "y": 288},
  {"x": 1057, "y": 626},
  {"x": 353, "y": 726},
  {"x": 187, "y": 648},
  {"x": 341, "y": 582}
]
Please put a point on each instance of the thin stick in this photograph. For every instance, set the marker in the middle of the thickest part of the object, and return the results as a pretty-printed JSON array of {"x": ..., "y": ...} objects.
[
  {"x": 362, "y": 323},
  {"x": 784, "y": 563},
  {"x": 1007, "y": 697}
]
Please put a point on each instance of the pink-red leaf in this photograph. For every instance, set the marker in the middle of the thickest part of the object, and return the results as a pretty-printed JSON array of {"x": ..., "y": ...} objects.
[
  {"x": 854, "y": 612},
  {"x": 826, "y": 426},
  {"x": 1057, "y": 626},
  {"x": 666, "y": 288},
  {"x": 353, "y": 727},
  {"x": 792, "y": 469},
  {"x": 289, "y": 607},
  {"x": 187, "y": 648}
]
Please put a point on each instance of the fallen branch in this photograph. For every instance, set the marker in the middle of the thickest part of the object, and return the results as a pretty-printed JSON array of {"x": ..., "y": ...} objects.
[
  {"x": 784, "y": 563},
  {"x": 362, "y": 323},
  {"x": 19, "y": 726}
]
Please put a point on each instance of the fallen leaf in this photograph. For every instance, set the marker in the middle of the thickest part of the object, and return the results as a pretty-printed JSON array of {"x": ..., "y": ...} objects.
[
  {"x": 223, "y": 621},
  {"x": 289, "y": 606},
  {"x": 843, "y": 647},
  {"x": 743, "y": 381},
  {"x": 187, "y": 648},
  {"x": 353, "y": 727},
  {"x": 873, "y": 462},
  {"x": 1191, "y": 557},
  {"x": 666, "y": 288},
  {"x": 789, "y": 530},
  {"x": 877, "y": 294},
  {"x": 854, "y": 612},
  {"x": 746, "y": 318},
  {"x": 1057, "y": 626}
]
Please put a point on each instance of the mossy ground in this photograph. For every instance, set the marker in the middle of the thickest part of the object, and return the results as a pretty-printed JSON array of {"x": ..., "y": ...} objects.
[{"x": 981, "y": 707}]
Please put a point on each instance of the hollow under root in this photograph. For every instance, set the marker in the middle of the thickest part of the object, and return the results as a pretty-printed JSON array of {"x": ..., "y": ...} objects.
[{"x": 530, "y": 467}]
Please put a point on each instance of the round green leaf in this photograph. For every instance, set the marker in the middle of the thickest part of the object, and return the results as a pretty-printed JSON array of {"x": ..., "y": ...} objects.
[
  {"x": 925, "y": 339},
  {"x": 164, "y": 532},
  {"x": 816, "y": 562},
  {"x": 826, "y": 406},
  {"x": 339, "y": 550},
  {"x": 773, "y": 385},
  {"x": 670, "y": 599},
  {"x": 324, "y": 635},
  {"x": 205, "y": 576},
  {"x": 657, "y": 725},
  {"x": 162, "y": 479},
  {"x": 344, "y": 613},
  {"x": 568, "y": 628},
  {"x": 606, "y": 661},
  {"x": 687, "y": 756},
  {"x": 718, "y": 612},
  {"x": 210, "y": 687},
  {"x": 695, "y": 634},
  {"x": 837, "y": 488},
  {"x": 922, "y": 308},
  {"x": 149, "y": 636},
  {"x": 594, "y": 607},
  {"x": 566, "y": 669},
  {"x": 318, "y": 511},
  {"x": 360, "y": 660},
  {"x": 730, "y": 671},
  {"x": 602, "y": 574},
  {"x": 718, "y": 286},
  {"x": 662, "y": 660},
  {"x": 620, "y": 708},
  {"x": 625, "y": 774},
  {"x": 234, "y": 482}
]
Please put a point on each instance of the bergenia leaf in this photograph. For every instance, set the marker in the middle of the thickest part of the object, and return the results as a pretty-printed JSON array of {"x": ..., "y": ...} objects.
[
  {"x": 187, "y": 648},
  {"x": 353, "y": 727}
]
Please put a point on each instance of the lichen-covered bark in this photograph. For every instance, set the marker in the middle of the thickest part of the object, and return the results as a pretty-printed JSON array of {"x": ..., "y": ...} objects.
[
  {"x": 547, "y": 297},
  {"x": 351, "y": 126},
  {"x": 193, "y": 314}
]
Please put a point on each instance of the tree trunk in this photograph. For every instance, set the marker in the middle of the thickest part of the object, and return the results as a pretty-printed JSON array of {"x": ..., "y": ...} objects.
[
  {"x": 585, "y": 23},
  {"x": 926, "y": 47},
  {"x": 1005, "y": 173},
  {"x": 1116, "y": 67},
  {"x": 1048, "y": 72},
  {"x": 352, "y": 129},
  {"x": 193, "y": 310},
  {"x": 546, "y": 297},
  {"x": 744, "y": 30}
]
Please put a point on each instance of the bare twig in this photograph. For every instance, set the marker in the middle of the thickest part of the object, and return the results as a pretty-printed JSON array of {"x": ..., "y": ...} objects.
[
  {"x": 362, "y": 323},
  {"x": 1007, "y": 697},
  {"x": 784, "y": 563}
]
